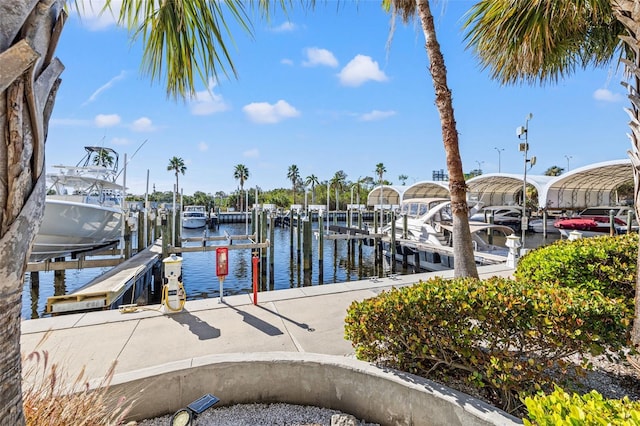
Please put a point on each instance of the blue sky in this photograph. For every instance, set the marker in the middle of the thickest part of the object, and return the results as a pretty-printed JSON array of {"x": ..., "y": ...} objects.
[{"x": 321, "y": 90}]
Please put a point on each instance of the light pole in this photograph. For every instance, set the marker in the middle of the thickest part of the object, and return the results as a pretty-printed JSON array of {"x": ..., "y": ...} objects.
[
  {"x": 568, "y": 157},
  {"x": 480, "y": 163},
  {"x": 499, "y": 151},
  {"x": 524, "y": 130}
]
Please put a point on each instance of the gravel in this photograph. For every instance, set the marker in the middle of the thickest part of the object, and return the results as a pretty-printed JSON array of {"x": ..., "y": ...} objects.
[{"x": 258, "y": 414}]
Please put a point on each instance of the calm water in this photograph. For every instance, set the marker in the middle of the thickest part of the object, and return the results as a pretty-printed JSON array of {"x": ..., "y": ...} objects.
[
  {"x": 340, "y": 264},
  {"x": 199, "y": 274}
]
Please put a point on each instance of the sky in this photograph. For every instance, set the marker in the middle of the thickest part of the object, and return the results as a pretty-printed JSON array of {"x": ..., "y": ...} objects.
[{"x": 325, "y": 91}]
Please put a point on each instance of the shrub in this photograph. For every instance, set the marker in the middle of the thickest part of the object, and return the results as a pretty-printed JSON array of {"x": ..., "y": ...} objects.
[
  {"x": 50, "y": 397},
  {"x": 561, "y": 409},
  {"x": 604, "y": 264},
  {"x": 501, "y": 334}
]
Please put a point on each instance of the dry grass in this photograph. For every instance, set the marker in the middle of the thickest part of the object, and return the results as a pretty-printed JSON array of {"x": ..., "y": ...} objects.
[{"x": 52, "y": 397}]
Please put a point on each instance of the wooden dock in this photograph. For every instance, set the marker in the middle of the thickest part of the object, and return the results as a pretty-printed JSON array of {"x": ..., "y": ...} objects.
[{"x": 106, "y": 290}]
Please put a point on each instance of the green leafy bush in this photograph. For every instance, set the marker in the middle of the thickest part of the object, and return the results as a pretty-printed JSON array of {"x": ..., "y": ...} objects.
[
  {"x": 561, "y": 409},
  {"x": 604, "y": 264},
  {"x": 501, "y": 334}
]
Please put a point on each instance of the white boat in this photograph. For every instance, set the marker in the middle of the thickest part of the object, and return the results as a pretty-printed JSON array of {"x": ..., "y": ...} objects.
[
  {"x": 429, "y": 229},
  {"x": 510, "y": 216},
  {"x": 194, "y": 217},
  {"x": 83, "y": 210}
]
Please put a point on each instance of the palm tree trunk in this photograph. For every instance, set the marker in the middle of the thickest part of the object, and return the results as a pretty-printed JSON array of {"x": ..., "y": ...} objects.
[
  {"x": 628, "y": 13},
  {"x": 465, "y": 264},
  {"x": 28, "y": 84}
]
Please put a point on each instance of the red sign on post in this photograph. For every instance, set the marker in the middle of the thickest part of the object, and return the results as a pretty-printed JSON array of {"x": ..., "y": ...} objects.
[{"x": 222, "y": 261}]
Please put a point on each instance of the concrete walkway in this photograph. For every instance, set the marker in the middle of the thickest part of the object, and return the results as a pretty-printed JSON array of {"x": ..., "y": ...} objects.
[{"x": 308, "y": 319}]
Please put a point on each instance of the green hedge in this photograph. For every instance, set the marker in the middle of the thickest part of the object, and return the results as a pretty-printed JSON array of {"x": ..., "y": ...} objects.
[
  {"x": 496, "y": 333},
  {"x": 604, "y": 264},
  {"x": 561, "y": 409}
]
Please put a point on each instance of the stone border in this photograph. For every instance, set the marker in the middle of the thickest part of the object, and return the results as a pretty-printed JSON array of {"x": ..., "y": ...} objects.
[{"x": 384, "y": 396}]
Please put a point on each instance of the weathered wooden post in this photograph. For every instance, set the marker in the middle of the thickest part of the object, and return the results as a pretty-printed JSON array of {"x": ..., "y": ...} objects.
[
  {"x": 298, "y": 235},
  {"x": 165, "y": 223},
  {"x": 272, "y": 231},
  {"x": 320, "y": 247},
  {"x": 263, "y": 251},
  {"x": 392, "y": 248},
  {"x": 405, "y": 226},
  {"x": 127, "y": 240},
  {"x": 59, "y": 285},
  {"x": 141, "y": 231},
  {"x": 307, "y": 243},
  {"x": 291, "y": 233}
]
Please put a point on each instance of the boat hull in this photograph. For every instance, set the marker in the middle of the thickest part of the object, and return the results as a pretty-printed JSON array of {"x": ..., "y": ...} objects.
[
  {"x": 70, "y": 227},
  {"x": 194, "y": 223}
]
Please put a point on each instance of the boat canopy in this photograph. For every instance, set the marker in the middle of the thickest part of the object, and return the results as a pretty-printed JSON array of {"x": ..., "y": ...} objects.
[{"x": 589, "y": 186}]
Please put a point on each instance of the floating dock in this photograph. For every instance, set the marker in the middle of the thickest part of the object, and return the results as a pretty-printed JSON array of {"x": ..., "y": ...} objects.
[{"x": 128, "y": 280}]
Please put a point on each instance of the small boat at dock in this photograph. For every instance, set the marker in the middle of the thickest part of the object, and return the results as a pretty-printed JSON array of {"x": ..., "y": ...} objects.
[{"x": 194, "y": 217}]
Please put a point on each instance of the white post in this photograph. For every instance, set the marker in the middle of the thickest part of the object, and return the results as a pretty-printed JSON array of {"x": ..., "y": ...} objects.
[
  {"x": 246, "y": 213},
  {"x": 123, "y": 205},
  {"x": 173, "y": 212},
  {"x": 328, "y": 196},
  {"x": 146, "y": 212}
]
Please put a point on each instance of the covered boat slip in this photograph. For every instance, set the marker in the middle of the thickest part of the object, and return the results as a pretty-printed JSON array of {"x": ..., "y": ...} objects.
[
  {"x": 109, "y": 288},
  {"x": 588, "y": 186}
]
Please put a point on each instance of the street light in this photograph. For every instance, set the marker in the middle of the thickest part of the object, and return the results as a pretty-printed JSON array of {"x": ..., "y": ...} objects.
[
  {"x": 499, "y": 151},
  {"x": 524, "y": 130},
  {"x": 568, "y": 157}
]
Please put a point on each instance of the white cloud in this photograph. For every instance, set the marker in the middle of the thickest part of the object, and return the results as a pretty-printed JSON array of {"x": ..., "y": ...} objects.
[
  {"x": 104, "y": 87},
  {"x": 607, "y": 95},
  {"x": 143, "y": 124},
  {"x": 265, "y": 113},
  {"x": 251, "y": 153},
  {"x": 107, "y": 120},
  {"x": 286, "y": 61},
  {"x": 316, "y": 57},
  {"x": 285, "y": 27},
  {"x": 203, "y": 147},
  {"x": 93, "y": 18},
  {"x": 206, "y": 102},
  {"x": 360, "y": 70},
  {"x": 376, "y": 115}
]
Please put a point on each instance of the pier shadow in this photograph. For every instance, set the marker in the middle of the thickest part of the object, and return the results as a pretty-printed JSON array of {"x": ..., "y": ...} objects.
[
  {"x": 195, "y": 325},
  {"x": 257, "y": 323},
  {"x": 299, "y": 324}
]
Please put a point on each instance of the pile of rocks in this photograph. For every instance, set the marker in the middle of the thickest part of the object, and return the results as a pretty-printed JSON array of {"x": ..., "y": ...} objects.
[{"x": 266, "y": 414}]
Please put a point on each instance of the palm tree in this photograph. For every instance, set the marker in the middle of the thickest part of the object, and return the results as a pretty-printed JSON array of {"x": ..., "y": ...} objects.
[
  {"x": 177, "y": 165},
  {"x": 554, "y": 171},
  {"x": 103, "y": 158},
  {"x": 380, "y": 171},
  {"x": 241, "y": 174},
  {"x": 293, "y": 174},
  {"x": 537, "y": 46},
  {"x": 465, "y": 264},
  {"x": 29, "y": 83},
  {"x": 403, "y": 179},
  {"x": 28, "y": 87},
  {"x": 313, "y": 181},
  {"x": 338, "y": 181}
]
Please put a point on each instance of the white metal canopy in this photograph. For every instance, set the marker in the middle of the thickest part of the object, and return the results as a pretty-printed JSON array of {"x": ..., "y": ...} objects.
[
  {"x": 502, "y": 189},
  {"x": 427, "y": 189},
  {"x": 588, "y": 186},
  {"x": 391, "y": 195}
]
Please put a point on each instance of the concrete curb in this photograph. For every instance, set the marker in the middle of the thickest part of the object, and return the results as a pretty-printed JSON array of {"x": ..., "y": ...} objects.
[{"x": 383, "y": 396}]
